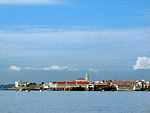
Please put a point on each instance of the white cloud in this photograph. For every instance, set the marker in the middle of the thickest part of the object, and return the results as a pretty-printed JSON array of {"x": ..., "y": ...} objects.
[
  {"x": 46, "y": 68},
  {"x": 15, "y": 68},
  {"x": 93, "y": 70},
  {"x": 29, "y": 2},
  {"x": 52, "y": 68},
  {"x": 56, "y": 68},
  {"x": 142, "y": 63},
  {"x": 73, "y": 69},
  {"x": 29, "y": 68}
]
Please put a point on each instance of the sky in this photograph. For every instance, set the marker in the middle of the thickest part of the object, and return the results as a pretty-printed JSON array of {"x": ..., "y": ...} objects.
[{"x": 61, "y": 40}]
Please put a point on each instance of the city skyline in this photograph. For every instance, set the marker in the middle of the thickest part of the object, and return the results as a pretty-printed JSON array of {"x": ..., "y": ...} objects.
[{"x": 60, "y": 40}]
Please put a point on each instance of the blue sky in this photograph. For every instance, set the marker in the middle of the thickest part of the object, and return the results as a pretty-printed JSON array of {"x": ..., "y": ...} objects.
[{"x": 61, "y": 40}]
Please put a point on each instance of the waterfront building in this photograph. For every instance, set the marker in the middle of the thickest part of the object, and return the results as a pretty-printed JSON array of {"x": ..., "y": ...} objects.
[
  {"x": 137, "y": 88},
  {"x": 99, "y": 85},
  {"x": 19, "y": 83},
  {"x": 129, "y": 85},
  {"x": 124, "y": 87},
  {"x": 68, "y": 85},
  {"x": 50, "y": 85},
  {"x": 143, "y": 84},
  {"x": 72, "y": 84},
  {"x": 90, "y": 86},
  {"x": 79, "y": 82}
]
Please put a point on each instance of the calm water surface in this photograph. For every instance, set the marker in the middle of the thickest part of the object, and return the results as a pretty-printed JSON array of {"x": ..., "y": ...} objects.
[{"x": 74, "y": 101}]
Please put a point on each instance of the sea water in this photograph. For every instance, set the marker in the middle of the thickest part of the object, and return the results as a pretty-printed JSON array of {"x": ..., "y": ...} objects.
[{"x": 74, "y": 102}]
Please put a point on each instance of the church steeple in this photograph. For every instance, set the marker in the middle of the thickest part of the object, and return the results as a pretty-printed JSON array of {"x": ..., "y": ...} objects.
[{"x": 87, "y": 77}]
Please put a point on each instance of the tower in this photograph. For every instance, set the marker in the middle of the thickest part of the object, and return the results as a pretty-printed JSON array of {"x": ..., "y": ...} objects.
[{"x": 87, "y": 77}]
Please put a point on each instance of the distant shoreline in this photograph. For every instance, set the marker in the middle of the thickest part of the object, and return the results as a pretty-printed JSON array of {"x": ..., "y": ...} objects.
[{"x": 10, "y": 89}]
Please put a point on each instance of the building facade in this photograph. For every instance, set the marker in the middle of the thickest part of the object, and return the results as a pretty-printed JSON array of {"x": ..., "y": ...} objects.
[
  {"x": 79, "y": 82},
  {"x": 19, "y": 83}
]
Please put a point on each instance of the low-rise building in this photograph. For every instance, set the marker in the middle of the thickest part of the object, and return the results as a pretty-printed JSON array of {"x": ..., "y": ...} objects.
[
  {"x": 79, "y": 82},
  {"x": 65, "y": 85},
  {"x": 90, "y": 86},
  {"x": 123, "y": 87},
  {"x": 101, "y": 85},
  {"x": 19, "y": 83},
  {"x": 143, "y": 84},
  {"x": 50, "y": 85},
  {"x": 129, "y": 85}
]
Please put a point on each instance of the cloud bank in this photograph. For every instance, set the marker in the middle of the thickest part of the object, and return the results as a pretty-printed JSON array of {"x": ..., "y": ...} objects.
[
  {"x": 29, "y": 68},
  {"x": 52, "y": 68},
  {"x": 55, "y": 68},
  {"x": 15, "y": 68},
  {"x": 73, "y": 69},
  {"x": 142, "y": 63},
  {"x": 43, "y": 45},
  {"x": 93, "y": 70},
  {"x": 29, "y": 2}
]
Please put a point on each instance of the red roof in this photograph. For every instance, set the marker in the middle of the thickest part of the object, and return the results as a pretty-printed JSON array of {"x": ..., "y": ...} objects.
[
  {"x": 104, "y": 83},
  {"x": 82, "y": 82},
  {"x": 143, "y": 82},
  {"x": 61, "y": 82},
  {"x": 71, "y": 82},
  {"x": 117, "y": 81},
  {"x": 123, "y": 81}
]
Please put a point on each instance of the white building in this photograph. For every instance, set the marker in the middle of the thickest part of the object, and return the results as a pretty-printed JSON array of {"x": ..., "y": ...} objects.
[
  {"x": 19, "y": 83},
  {"x": 50, "y": 85},
  {"x": 143, "y": 84},
  {"x": 66, "y": 85},
  {"x": 90, "y": 85}
]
